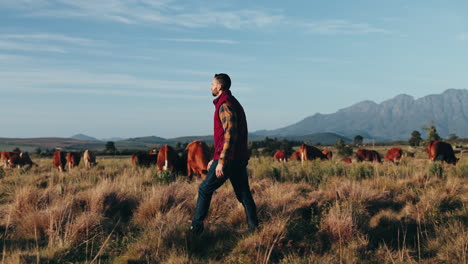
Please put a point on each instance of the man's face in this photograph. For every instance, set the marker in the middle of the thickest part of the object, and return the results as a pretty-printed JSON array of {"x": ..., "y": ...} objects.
[{"x": 215, "y": 87}]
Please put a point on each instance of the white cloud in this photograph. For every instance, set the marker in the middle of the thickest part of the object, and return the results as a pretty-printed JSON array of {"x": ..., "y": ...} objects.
[
  {"x": 124, "y": 93},
  {"x": 333, "y": 27},
  {"x": 190, "y": 40},
  {"x": 49, "y": 38},
  {"x": 164, "y": 12},
  {"x": 462, "y": 36},
  {"x": 12, "y": 45},
  {"x": 13, "y": 58},
  {"x": 324, "y": 60},
  {"x": 182, "y": 14},
  {"x": 42, "y": 42},
  {"x": 79, "y": 82}
]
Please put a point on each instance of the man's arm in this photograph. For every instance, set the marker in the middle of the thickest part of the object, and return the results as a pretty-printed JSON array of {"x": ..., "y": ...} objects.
[{"x": 229, "y": 121}]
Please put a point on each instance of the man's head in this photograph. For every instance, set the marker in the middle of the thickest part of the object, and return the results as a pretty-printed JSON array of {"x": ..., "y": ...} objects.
[{"x": 221, "y": 82}]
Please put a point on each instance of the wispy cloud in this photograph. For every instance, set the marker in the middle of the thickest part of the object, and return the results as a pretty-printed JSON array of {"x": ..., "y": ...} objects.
[
  {"x": 324, "y": 60},
  {"x": 462, "y": 36},
  {"x": 49, "y": 38},
  {"x": 42, "y": 42},
  {"x": 8, "y": 58},
  {"x": 14, "y": 45},
  {"x": 335, "y": 27},
  {"x": 166, "y": 12},
  {"x": 182, "y": 14},
  {"x": 191, "y": 40},
  {"x": 123, "y": 93},
  {"x": 79, "y": 82}
]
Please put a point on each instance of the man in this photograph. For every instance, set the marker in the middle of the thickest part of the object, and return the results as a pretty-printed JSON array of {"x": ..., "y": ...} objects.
[{"x": 230, "y": 158}]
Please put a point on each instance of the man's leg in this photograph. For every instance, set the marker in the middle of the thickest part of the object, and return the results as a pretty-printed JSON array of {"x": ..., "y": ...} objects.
[
  {"x": 237, "y": 172},
  {"x": 205, "y": 192}
]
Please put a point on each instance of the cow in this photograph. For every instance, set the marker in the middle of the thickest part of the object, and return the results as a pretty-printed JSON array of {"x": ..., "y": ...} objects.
[
  {"x": 73, "y": 159},
  {"x": 197, "y": 159},
  {"x": 310, "y": 153},
  {"x": 59, "y": 160},
  {"x": 144, "y": 159},
  {"x": 438, "y": 150},
  {"x": 5, "y": 156},
  {"x": 280, "y": 156},
  {"x": 347, "y": 160},
  {"x": 328, "y": 153},
  {"x": 167, "y": 158},
  {"x": 367, "y": 155},
  {"x": 394, "y": 155},
  {"x": 16, "y": 159},
  {"x": 153, "y": 151},
  {"x": 89, "y": 159},
  {"x": 295, "y": 156}
]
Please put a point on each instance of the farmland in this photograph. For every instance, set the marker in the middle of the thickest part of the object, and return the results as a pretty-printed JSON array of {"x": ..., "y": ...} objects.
[{"x": 317, "y": 212}]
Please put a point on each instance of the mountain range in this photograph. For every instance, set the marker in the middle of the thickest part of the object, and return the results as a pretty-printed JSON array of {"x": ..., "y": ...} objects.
[{"x": 390, "y": 120}]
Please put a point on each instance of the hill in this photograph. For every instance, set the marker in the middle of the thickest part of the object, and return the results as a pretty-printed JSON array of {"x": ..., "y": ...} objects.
[
  {"x": 30, "y": 144},
  {"x": 84, "y": 137}
]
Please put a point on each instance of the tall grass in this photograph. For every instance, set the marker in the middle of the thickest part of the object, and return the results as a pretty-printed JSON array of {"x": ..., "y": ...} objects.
[{"x": 313, "y": 212}]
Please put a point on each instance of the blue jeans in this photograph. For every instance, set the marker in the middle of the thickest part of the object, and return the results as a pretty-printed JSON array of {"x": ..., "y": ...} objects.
[{"x": 236, "y": 172}]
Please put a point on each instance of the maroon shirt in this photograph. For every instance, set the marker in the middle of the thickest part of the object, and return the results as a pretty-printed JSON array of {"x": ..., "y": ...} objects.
[{"x": 238, "y": 150}]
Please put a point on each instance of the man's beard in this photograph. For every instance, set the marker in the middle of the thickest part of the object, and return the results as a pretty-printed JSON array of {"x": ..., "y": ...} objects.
[{"x": 214, "y": 95}]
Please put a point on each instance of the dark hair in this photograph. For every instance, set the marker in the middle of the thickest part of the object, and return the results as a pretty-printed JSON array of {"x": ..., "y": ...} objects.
[{"x": 224, "y": 80}]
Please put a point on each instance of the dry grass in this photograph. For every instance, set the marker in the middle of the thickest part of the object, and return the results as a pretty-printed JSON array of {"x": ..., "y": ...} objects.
[{"x": 317, "y": 212}]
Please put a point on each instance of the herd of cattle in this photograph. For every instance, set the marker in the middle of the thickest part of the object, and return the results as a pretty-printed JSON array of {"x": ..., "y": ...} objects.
[
  {"x": 195, "y": 158},
  {"x": 193, "y": 161},
  {"x": 436, "y": 150}
]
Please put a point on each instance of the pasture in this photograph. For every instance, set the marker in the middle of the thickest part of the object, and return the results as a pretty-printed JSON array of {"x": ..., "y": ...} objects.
[{"x": 316, "y": 212}]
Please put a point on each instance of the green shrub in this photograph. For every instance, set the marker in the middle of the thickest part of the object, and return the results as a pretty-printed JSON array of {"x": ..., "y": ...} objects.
[
  {"x": 461, "y": 170},
  {"x": 361, "y": 171},
  {"x": 436, "y": 169},
  {"x": 164, "y": 177}
]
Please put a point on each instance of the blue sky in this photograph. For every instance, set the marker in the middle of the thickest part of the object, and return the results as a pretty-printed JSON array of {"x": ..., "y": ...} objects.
[{"x": 129, "y": 68}]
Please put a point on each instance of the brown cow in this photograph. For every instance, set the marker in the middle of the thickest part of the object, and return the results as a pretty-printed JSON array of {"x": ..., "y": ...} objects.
[
  {"x": 367, "y": 155},
  {"x": 347, "y": 160},
  {"x": 280, "y": 156},
  {"x": 153, "y": 151},
  {"x": 89, "y": 159},
  {"x": 5, "y": 156},
  {"x": 59, "y": 160},
  {"x": 144, "y": 159},
  {"x": 73, "y": 159},
  {"x": 394, "y": 155},
  {"x": 295, "y": 156},
  {"x": 197, "y": 159},
  {"x": 167, "y": 158},
  {"x": 438, "y": 150},
  {"x": 310, "y": 153},
  {"x": 328, "y": 153},
  {"x": 20, "y": 160}
]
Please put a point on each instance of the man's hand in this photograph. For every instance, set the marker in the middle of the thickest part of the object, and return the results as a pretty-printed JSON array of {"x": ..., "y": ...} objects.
[
  {"x": 209, "y": 165},
  {"x": 219, "y": 171}
]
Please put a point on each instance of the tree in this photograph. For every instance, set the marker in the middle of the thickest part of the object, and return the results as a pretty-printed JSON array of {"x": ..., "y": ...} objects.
[
  {"x": 38, "y": 151},
  {"x": 415, "y": 139},
  {"x": 358, "y": 140},
  {"x": 110, "y": 147},
  {"x": 343, "y": 150},
  {"x": 16, "y": 149},
  {"x": 339, "y": 143},
  {"x": 452, "y": 136},
  {"x": 431, "y": 133}
]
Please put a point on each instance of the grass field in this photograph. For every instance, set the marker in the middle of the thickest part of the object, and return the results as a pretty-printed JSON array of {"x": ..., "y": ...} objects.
[{"x": 319, "y": 212}]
